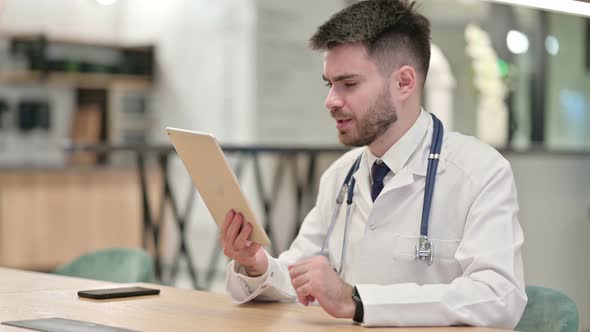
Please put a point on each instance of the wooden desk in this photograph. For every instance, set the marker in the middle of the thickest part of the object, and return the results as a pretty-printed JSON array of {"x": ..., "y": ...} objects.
[{"x": 29, "y": 295}]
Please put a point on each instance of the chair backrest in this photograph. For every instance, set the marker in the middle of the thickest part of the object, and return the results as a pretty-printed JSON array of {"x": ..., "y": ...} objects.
[
  {"x": 116, "y": 264},
  {"x": 548, "y": 310}
]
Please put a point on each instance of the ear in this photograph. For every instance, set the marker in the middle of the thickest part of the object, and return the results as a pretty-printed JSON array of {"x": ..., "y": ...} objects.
[{"x": 404, "y": 82}]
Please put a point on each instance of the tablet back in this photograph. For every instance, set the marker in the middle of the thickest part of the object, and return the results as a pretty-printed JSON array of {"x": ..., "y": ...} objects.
[{"x": 212, "y": 176}]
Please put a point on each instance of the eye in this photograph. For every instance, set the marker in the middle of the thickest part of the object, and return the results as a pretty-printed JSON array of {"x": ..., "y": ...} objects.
[
  {"x": 349, "y": 85},
  {"x": 328, "y": 84}
]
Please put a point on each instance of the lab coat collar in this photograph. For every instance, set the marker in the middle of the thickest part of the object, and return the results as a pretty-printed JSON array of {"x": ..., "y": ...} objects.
[
  {"x": 361, "y": 176},
  {"x": 417, "y": 165},
  {"x": 398, "y": 155}
]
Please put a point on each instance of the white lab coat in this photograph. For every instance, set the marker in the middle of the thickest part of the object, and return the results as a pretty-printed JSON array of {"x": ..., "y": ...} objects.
[{"x": 477, "y": 274}]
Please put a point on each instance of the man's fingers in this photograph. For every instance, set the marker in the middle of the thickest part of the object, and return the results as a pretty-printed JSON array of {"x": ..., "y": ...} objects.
[
  {"x": 303, "y": 293},
  {"x": 228, "y": 218},
  {"x": 303, "y": 300},
  {"x": 234, "y": 228},
  {"x": 298, "y": 269},
  {"x": 240, "y": 242},
  {"x": 300, "y": 280}
]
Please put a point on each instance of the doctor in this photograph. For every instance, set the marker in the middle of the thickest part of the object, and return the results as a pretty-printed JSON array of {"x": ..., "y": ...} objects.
[{"x": 396, "y": 251}]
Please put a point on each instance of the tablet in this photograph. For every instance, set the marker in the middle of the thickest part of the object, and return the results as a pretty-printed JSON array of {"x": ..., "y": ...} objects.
[
  {"x": 214, "y": 179},
  {"x": 56, "y": 324}
]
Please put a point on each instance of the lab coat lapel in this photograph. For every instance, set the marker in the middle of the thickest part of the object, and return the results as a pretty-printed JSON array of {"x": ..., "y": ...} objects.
[
  {"x": 402, "y": 179},
  {"x": 417, "y": 166},
  {"x": 362, "y": 195}
]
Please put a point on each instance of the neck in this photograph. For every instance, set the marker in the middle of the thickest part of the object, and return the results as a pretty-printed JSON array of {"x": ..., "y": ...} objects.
[{"x": 405, "y": 121}]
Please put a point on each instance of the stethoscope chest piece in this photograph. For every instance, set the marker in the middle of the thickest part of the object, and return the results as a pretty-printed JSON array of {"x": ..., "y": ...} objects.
[{"x": 425, "y": 251}]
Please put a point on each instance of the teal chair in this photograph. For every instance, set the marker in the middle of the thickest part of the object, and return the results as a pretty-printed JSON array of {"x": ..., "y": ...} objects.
[
  {"x": 548, "y": 310},
  {"x": 123, "y": 265}
]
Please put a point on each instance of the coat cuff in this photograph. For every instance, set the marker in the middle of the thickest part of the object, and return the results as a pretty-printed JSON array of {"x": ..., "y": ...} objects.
[{"x": 243, "y": 288}]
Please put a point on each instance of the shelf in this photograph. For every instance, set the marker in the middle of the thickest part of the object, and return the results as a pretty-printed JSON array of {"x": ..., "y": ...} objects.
[
  {"x": 129, "y": 66},
  {"x": 108, "y": 80},
  {"x": 81, "y": 80},
  {"x": 34, "y": 37}
]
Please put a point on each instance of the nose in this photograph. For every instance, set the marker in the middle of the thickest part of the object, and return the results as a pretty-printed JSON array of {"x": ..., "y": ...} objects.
[{"x": 333, "y": 100}]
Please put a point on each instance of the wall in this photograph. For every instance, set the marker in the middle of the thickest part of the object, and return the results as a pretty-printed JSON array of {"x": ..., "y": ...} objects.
[
  {"x": 555, "y": 217},
  {"x": 205, "y": 54},
  {"x": 290, "y": 91},
  {"x": 91, "y": 21}
]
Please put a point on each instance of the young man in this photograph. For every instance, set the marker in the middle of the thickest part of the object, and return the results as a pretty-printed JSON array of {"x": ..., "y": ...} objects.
[{"x": 376, "y": 56}]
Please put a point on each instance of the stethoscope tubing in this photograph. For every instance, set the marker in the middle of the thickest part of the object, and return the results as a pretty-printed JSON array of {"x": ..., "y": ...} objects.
[
  {"x": 349, "y": 184},
  {"x": 431, "y": 170}
]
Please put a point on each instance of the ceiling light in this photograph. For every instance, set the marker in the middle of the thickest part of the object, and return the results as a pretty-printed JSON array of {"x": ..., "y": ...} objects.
[
  {"x": 572, "y": 7},
  {"x": 517, "y": 42},
  {"x": 106, "y": 2},
  {"x": 552, "y": 45}
]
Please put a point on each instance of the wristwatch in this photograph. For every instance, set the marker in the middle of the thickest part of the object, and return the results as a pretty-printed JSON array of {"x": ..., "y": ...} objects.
[{"x": 359, "y": 311}]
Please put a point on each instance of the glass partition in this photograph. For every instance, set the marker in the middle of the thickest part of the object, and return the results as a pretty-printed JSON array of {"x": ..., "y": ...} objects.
[{"x": 542, "y": 61}]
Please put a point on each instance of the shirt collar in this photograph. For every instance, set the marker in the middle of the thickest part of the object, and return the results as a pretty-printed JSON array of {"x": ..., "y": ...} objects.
[{"x": 400, "y": 153}]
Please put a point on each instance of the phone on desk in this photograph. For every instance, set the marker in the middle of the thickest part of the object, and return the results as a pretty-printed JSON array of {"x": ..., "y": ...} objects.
[{"x": 112, "y": 293}]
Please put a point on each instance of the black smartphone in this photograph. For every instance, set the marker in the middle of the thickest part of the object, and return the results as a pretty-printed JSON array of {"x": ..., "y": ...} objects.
[{"x": 112, "y": 293}]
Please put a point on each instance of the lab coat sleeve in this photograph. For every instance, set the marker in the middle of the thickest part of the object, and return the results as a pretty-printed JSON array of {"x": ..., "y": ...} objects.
[
  {"x": 275, "y": 284},
  {"x": 491, "y": 290}
]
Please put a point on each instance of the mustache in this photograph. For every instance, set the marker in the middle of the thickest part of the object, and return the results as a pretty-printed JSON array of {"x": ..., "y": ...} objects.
[{"x": 339, "y": 114}]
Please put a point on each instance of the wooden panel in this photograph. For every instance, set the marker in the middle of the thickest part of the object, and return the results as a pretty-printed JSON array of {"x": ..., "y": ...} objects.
[
  {"x": 86, "y": 128},
  {"x": 49, "y": 217}
]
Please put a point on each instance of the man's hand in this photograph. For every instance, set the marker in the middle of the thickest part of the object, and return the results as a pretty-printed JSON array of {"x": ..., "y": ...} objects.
[
  {"x": 234, "y": 241},
  {"x": 314, "y": 278}
]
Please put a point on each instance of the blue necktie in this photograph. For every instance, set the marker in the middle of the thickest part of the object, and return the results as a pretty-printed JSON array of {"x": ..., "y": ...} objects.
[{"x": 378, "y": 172}]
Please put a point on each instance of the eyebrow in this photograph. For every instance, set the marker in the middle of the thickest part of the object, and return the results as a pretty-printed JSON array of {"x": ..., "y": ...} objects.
[{"x": 340, "y": 77}]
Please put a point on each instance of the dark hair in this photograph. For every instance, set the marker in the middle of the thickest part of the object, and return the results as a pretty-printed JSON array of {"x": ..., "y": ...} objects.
[{"x": 389, "y": 29}]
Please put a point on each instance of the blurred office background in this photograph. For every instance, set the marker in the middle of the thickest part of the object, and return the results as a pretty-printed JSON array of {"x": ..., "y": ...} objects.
[{"x": 88, "y": 86}]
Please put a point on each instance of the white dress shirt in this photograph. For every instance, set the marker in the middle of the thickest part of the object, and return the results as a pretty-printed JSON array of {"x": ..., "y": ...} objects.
[{"x": 477, "y": 274}]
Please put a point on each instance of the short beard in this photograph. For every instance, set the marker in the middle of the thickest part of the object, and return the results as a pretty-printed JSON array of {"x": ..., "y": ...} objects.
[{"x": 378, "y": 118}]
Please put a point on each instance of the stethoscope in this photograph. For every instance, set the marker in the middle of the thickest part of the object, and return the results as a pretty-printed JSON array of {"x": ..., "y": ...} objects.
[{"x": 424, "y": 251}]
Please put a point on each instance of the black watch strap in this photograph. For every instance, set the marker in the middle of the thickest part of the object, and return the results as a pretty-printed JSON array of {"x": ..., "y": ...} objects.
[{"x": 359, "y": 311}]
